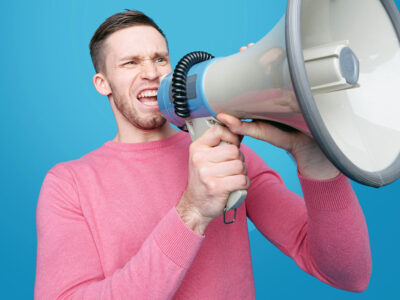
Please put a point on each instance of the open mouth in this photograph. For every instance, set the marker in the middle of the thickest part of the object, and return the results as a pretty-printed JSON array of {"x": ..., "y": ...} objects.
[{"x": 148, "y": 97}]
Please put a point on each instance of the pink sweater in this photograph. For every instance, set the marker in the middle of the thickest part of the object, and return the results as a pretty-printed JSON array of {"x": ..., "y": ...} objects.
[{"x": 108, "y": 229}]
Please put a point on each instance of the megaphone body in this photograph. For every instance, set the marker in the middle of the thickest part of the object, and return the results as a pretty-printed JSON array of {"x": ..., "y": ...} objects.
[{"x": 329, "y": 68}]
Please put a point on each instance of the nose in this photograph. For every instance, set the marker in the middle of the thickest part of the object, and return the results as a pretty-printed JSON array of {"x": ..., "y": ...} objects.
[{"x": 149, "y": 70}]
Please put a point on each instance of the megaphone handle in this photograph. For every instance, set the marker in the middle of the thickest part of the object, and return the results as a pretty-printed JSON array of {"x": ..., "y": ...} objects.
[{"x": 196, "y": 128}]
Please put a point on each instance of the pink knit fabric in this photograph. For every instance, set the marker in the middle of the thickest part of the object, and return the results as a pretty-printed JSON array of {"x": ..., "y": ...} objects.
[{"x": 108, "y": 229}]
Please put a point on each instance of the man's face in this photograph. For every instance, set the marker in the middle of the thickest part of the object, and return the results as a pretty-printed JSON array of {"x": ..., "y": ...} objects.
[{"x": 135, "y": 59}]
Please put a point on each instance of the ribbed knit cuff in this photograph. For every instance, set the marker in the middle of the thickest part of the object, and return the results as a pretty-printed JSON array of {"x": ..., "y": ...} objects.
[
  {"x": 329, "y": 195},
  {"x": 176, "y": 240}
]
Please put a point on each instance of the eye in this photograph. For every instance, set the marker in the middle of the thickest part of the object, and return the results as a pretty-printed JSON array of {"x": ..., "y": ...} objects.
[
  {"x": 130, "y": 63},
  {"x": 161, "y": 60}
]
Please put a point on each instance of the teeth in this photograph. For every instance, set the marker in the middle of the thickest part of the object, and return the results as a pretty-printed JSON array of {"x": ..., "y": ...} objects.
[
  {"x": 151, "y": 102},
  {"x": 148, "y": 94}
]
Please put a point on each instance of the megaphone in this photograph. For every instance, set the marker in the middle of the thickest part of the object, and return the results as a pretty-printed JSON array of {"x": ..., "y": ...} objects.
[{"x": 329, "y": 68}]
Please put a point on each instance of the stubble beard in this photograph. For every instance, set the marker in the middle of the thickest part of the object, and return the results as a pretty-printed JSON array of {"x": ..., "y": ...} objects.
[
  {"x": 147, "y": 121},
  {"x": 156, "y": 120}
]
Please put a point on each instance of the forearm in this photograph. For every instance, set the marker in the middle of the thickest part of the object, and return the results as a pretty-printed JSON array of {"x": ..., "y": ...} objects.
[
  {"x": 337, "y": 235},
  {"x": 154, "y": 272},
  {"x": 327, "y": 239}
]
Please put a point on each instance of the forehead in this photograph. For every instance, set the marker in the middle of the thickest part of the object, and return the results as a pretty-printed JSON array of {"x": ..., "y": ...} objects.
[{"x": 136, "y": 40}]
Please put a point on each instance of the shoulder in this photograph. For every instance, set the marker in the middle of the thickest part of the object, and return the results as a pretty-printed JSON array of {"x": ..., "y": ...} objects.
[
  {"x": 63, "y": 174},
  {"x": 57, "y": 192},
  {"x": 60, "y": 182},
  {"x": 68, "y": 169}
]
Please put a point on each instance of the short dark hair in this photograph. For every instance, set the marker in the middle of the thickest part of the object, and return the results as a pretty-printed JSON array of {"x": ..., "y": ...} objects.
[{"x": 112, "y": 24}]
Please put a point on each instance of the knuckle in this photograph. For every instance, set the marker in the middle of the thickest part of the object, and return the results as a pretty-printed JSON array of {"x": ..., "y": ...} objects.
[
  {"x": 239, "y": 167},
  {"x": 236, "y": 138},
  {"x": 217, "y": 130},
  {"x": 211, "y": 185},
  {"x": 234, "y": 151},
  {"x": 243, "y": 181},
  {"x": 232, "y": 138},
  {"x": 203, "y": 172},
  {"x": 193, "y": 147},
  {"x": 196, "y": 158}
]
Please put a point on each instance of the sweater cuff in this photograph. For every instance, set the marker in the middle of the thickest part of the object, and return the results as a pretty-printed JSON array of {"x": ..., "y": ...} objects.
[
  {"x": 329, "y": 195},
  {"x": 176, "y": 240}
]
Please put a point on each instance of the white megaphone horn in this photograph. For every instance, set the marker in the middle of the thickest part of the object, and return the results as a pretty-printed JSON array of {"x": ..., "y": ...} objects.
[{"x": 329, "y": 68}]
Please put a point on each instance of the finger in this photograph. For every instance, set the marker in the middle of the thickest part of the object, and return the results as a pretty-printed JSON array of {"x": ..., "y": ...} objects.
[
  {"x": 237, "y": 126},
  {"x": 259, "y": 130},
  {"x": 225, "y": 152},
  {"x": 216, "y": 135},
  {"x": 226, "y": 168},
  {"x": 249, "y": 45},
  {"x": 235, "y": 182}
]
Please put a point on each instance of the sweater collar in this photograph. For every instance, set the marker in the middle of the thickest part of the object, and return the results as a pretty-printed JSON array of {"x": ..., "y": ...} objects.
[{"x": 169, "y": 141}]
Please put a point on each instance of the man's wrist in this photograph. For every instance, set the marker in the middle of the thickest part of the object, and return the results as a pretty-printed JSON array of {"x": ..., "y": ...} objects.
[
  {"x": 323, "y": 170},
  {"x": 192, "y": 219},
  {"x": 312, "y": 163}
]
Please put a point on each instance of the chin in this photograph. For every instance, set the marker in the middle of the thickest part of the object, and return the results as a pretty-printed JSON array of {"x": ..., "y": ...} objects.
[{"x": 154, "y": 123}]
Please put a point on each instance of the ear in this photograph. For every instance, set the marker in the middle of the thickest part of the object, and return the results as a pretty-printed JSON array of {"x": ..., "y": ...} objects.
[{"x": 101, "y": 84}]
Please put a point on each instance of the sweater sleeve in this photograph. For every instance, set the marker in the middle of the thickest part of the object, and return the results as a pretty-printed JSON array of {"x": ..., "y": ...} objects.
[
  {"x": 325, "y": 233},
  {"x": 68, "y": 263}
]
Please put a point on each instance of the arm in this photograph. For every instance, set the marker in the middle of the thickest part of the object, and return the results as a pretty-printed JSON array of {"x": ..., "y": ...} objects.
[
  {"x": 68, "y": 262},
  {"x": 327, "y": 236}
]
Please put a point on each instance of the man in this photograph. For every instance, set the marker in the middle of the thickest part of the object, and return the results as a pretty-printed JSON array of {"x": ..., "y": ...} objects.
[{"x": 140, "y": 217}]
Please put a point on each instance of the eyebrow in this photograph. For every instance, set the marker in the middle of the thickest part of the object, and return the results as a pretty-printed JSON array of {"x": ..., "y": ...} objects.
[{"x": 140, "y": 57}]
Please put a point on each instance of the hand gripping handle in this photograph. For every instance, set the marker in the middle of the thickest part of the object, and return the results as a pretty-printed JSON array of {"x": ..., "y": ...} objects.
[{"x": 196, "y": 128}]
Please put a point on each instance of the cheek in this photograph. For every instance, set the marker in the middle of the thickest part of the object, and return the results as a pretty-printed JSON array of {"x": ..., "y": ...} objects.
[
  {"x": 132, "y": 83},
  {"x": 167, "y": 69},
  {"x": 125, "y": 85}
]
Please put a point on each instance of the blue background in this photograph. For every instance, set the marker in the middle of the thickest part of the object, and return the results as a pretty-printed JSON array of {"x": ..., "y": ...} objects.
[{"x": 52, "y": 113}]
